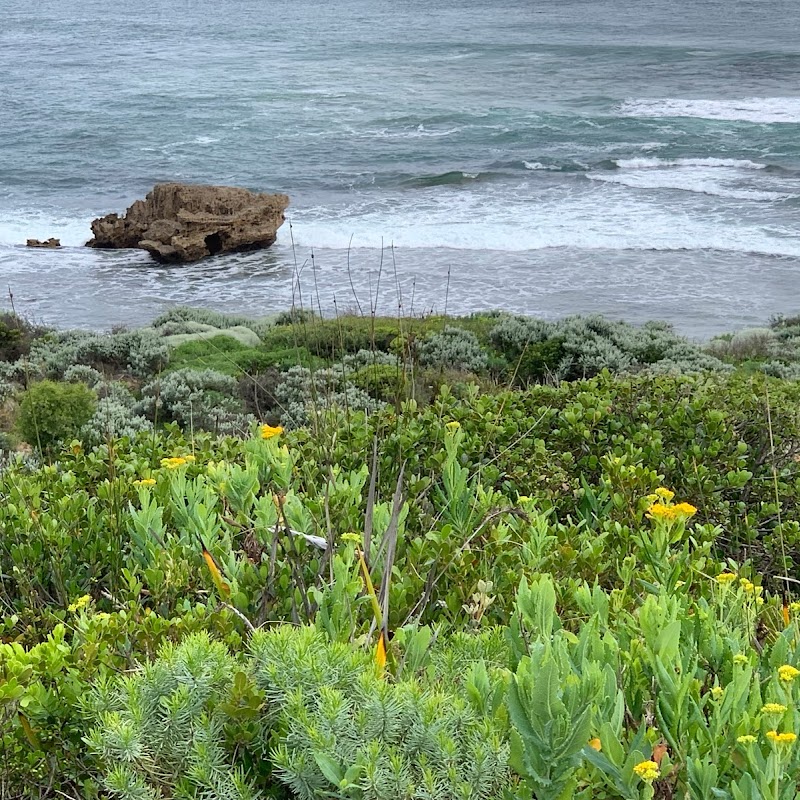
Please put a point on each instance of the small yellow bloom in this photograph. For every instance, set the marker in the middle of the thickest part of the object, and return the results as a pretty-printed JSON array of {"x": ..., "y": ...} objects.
[
  {"x": 740, "y": 659},
  {"x": 794, "y": 607},
  {"x": 717, "y": 692},
  {"x": 647, "y": 770},
  {"x": 788, "y": 673},
  {"x": 781, "y": 738},
  {"x": 145, "y": 482},
  {"x": 268, "y": 431},
  {"x": 664, "y": 494},
  {"x": 747, "y": 585},
  {"x": 351, "y": 537},
  {"x": 660, "y": 511},
  {"x": 726, "y": 577},
  {"x": 189, "y": 459},
  {"x": 80, "y": 603},
  {"x": 773, "y": 708},
  {"x": 746, "y": 739},
  {"x": 453, "y": 425},
  {"x": 595, "y": 744},
  {"x": 174, "y": 462},
  {"x": 685, "y": 509}
]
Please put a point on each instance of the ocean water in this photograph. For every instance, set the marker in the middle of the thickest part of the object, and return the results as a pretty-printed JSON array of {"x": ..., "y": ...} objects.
[{"x": 635, "y": 158}]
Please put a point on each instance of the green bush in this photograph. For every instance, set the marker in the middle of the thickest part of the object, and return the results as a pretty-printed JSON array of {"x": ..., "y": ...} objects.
[{"x": 51, "y": 412}]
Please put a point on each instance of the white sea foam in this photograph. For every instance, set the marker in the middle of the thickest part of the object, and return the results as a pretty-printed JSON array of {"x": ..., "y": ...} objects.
[
  {"x": 515, "y": 223},
  {"x": 698, "y": 181},
  {"x": 753, "y": 109},
  {"x": 537, "y": 165},
  {"x": 654, "y": 163},
  {"x": 17, "y": 227}
]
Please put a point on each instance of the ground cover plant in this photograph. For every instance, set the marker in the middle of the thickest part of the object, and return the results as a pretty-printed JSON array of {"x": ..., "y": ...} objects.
[{"x": 445, "y": 576}]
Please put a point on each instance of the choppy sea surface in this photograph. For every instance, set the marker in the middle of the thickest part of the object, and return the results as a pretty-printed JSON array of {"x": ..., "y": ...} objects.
[{"x": 635, "y": 158}]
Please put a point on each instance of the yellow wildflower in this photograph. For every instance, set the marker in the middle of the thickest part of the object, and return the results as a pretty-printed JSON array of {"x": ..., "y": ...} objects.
[
  {"x": 660, "y": 511},
  {"x": 80, "y": 603},
  {"x": 190, "y": 459},
  {"x": 747, "y": 585},
  {"x": 351, "y": 537},
  {"x": 174, "y": 462},
  {"x": 773, "y": 708},
  {"x": 740, "y": 659},
  {"x": 664, "y": 493},
  {"x": 717, "y": 692},
  {"x": 781, "y": 738},
  {"x": 647, "y": 770},
  {"x": 788, "y": 673},
  {"x": 595, "y": 744},
  {"x": 748, "y": 738},
  {"x": 453, "y": 425},
  {"x": 145, "y": 482},
  {"x": 268, "y": 431},
  {"x": 685, "y": 509},
  {"x": 726, "y": 577},
  {"x": 794, "y": 607}
]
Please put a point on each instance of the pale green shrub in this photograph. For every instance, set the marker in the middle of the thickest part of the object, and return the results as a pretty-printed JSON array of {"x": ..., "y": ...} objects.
[
  {"x": 453, "y": 348},
  {"x": 303, "y": 393},
  {"x": 139, "y": 352},
  {"x": 113, "y": 420},
  {"x": 161, "y": 729},
  {"x": 201, "y": 399},
  {"x": 513, "y": 334}
]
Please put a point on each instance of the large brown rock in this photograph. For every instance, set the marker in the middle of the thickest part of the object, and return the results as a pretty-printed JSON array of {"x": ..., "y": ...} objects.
[{"x": 179, "y": 222}]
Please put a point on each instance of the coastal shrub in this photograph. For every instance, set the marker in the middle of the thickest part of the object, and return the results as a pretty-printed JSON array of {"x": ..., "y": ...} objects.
[
  {"x": 747, "y": 345},
  {"x": 47, "y": 690},
  {"x": 192, "y": 398},
  {"x": 51, "y": 412},
  {"x": 112, "y": 420},
  {"x": 214, "y": 319},
  {"x": 80, "y": 373},
  {"x": 16, "y": 336},
  {"x": 384, "y": 382},
  {"x": 138, "y": 352},
  {"x": 303, "y": 394},
  {"x": 196, "y": 720},
  {"x": 175, "y": 725},
  {"x": 453, "y": 348},
  {"x": 349, "y": 731},
  {"x": 513, "y": 334}
]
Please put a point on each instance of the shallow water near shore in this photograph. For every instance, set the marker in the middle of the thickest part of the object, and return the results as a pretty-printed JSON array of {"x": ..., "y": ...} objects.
[{"x": 636, "y": 159}]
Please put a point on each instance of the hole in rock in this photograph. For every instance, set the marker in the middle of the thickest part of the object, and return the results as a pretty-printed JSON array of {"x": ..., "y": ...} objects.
[{"x": 214, "y": 243}]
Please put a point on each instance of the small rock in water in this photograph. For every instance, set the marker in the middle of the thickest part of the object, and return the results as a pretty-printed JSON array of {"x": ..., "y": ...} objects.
[
  {"x": 179, "y": 222},
  {"x": 51, "y": 243}
]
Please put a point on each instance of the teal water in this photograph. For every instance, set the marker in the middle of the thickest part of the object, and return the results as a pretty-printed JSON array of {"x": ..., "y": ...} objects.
[{"x": 639, "y": 159}]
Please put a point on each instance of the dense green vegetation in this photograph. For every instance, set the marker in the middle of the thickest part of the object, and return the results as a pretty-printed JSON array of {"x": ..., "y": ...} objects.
[{"x": 483, "y": 558}]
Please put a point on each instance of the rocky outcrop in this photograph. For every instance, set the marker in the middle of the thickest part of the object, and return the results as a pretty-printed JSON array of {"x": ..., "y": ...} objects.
[
  {"x": 50, "y": 243},
  {"x": 179, "y": 222}
]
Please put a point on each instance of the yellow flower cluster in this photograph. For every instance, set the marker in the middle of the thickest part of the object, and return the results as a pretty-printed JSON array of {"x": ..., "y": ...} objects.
[
  {"x": 717, "y": 692},
  {"x": 80, "y": 603},
  {"x": 781, "y": 738},
  {"x": 740, "y": 659},
  {"x": 773, "y": 708},
  {"x": 661, "y": 506},
  {"x": 726, "y": 577},
  {"x": 453, "y": 425},
  {"x": 788, "y": 673},
  {"x": 748, "y": 738},
  {"x": 268, "y": 431},
  {"x": 647, "y": 770},
  {"x": 145, "y": 482},
  {"x": 176, "y": 461}
]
